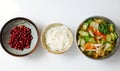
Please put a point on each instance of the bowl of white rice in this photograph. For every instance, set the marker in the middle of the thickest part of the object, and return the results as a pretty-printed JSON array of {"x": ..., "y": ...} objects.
[{"x": 56, "y": 38}]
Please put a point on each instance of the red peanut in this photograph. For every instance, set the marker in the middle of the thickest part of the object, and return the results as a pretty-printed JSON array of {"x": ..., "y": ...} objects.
[{"x": 20, "y": 38}]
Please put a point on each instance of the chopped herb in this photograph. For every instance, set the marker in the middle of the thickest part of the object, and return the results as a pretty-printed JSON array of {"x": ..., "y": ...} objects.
[{"x": 104, "y": 28}]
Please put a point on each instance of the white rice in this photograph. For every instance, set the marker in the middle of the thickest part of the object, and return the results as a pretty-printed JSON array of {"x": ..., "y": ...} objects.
[{"x": 58, "y": 38}]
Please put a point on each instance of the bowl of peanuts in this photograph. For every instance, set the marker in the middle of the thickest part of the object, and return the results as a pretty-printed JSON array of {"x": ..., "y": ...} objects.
[{"x": 19, "y": 36}]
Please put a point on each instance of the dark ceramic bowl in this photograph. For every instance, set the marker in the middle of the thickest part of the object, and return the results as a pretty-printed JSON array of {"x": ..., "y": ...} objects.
[{"x": 5, "y": 36}]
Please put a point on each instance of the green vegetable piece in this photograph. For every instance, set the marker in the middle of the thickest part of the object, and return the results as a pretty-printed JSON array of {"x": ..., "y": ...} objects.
[
  {"x": 110, "y": 48},
  {"x": 85, "y": 26},
  {"x": 89, "y": 21},
  {"x": 90, "y": 53},
  {"x": 108, "y": 37},
  {"x": 111, "y": 27},
  {"x": 82, "y": 42},
  {"x": 92, "y": 40},
  {"x": 113, "y": 36},
  {"x": 87, "y": 38},
  {"x": 116, "y": 36},
  {"x": 83, "y": 33}
]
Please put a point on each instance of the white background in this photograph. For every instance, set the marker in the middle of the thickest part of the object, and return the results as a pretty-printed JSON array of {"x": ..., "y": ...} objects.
[{"x": 68, "y": 12}]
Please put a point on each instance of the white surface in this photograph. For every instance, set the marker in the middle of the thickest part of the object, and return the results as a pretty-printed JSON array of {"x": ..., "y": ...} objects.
[{"x": 68, "y": 12}]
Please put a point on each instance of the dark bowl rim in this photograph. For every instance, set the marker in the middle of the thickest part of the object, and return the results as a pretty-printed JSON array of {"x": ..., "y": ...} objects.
[
  {"x": 8, "y": 22},
  {"x": 117, "y": 31}
]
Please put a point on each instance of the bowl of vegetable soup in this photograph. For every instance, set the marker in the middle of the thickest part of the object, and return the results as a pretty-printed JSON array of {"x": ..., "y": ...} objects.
[{"x": 97, "y": 37}]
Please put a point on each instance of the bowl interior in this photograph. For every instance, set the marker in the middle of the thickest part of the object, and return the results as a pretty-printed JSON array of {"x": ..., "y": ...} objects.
[
  {"x": 6, "y": 35},
  {"x": 116, "y": 30},
  {"x": 43, "y": 40}
]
